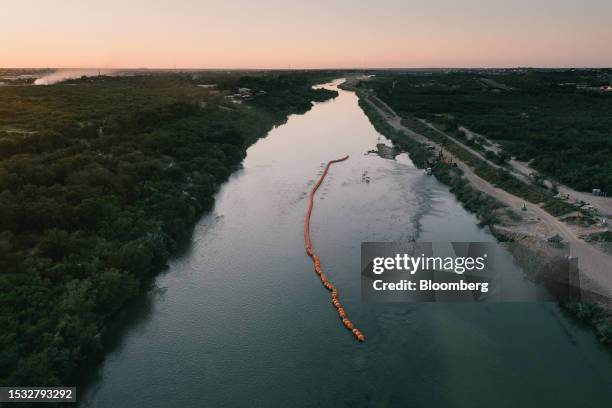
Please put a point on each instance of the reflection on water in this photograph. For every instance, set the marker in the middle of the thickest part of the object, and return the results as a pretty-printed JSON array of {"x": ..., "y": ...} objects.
[{"x": 244, "y": 321}]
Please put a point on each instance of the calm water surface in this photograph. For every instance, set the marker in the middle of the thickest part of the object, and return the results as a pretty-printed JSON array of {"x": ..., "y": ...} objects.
[{"x": 241, "y": 320}]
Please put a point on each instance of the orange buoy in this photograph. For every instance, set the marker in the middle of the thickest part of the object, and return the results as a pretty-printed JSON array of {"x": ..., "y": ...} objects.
[
  {"x": 358, "y": 335},
  {"x": 347, "y": 323},
  {"x": 315, "y": 259}
]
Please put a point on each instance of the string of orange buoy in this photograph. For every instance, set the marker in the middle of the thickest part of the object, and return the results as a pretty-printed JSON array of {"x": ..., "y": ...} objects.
[{"x": 315, "y": 259}]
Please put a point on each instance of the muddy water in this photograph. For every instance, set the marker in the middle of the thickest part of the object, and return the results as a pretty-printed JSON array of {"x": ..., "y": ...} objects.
[{"x": 240, "y": 319}]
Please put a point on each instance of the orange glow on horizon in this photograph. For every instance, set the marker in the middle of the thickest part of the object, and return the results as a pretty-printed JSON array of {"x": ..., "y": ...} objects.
[{"x": 314, "y": 34}]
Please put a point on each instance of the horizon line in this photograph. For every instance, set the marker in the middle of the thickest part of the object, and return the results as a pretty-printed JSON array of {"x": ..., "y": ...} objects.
[{"x": 312, "y": 69}]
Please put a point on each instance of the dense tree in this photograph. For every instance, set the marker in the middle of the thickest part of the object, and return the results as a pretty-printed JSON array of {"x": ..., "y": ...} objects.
[
  {"x": 557, "y": 118},
  {"x": 100, "y": 178}
]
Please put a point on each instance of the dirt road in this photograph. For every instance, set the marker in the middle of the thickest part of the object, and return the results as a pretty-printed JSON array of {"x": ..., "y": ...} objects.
[
  {"x": 595, "y": 264},
  {"x": 523, "y": 171},
  {"x": 602, "y": 204}
]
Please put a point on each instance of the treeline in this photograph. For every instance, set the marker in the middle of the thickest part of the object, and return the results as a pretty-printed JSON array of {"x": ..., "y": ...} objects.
[
  {"x": 558, "y": 119},
  {"x": 100, "y": 180},
  {"x": 284, "y": 96}
]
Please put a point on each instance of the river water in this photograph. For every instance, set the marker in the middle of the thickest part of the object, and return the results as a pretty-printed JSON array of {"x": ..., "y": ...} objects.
[{"x": 240, "y": 319}]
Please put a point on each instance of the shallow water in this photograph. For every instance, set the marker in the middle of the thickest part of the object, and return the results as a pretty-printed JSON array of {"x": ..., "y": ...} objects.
[{"x": 240, "y": 319}]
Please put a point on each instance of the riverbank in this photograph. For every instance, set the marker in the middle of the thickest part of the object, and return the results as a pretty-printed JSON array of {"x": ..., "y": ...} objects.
[
  {"x": 106, "y": 179},
  {"x": 241, "y": 311},
  {"x": 510, "y": 218}
]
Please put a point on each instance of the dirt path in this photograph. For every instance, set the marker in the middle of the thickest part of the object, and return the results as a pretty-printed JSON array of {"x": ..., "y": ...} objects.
[
  {"x": 519, "y": 175},
  {"x": 523, "y": 171},
  {"x": 494, "y": 147},
  {"x": 602, "y": 204},
  {"x": 595, "y": 264}
]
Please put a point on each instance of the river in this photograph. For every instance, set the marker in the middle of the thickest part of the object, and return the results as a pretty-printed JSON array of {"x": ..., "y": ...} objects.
[{"x": 240, "y": 319}]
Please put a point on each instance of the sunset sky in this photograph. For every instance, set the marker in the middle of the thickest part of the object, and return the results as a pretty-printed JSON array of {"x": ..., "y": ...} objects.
[{"x": 305, "y": 34}]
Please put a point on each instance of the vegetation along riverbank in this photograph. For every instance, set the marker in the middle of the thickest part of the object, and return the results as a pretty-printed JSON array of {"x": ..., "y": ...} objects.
[
  {"x": 100, "y": 179},
  {"x": 516, "y": 209}
]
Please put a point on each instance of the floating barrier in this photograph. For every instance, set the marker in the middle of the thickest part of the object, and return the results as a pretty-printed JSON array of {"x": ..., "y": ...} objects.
[{"x": 315, "y": 259}]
